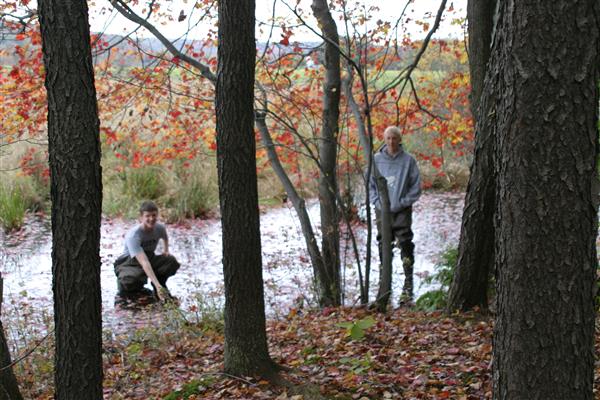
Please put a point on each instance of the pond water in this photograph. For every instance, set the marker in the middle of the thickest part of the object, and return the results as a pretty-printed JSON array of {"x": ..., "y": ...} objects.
[{"x": 26, "y": 264}]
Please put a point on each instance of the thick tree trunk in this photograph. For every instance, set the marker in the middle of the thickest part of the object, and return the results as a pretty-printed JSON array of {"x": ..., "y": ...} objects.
[
  {"x": 476, "y": 246},
  {"x": 76, "y": 193},
  {"x": 329, "y": 283},
  {"x": 9, "y": 388},
  {"x": 546, "y": 53},
  {"x": 246, "y": 351}
]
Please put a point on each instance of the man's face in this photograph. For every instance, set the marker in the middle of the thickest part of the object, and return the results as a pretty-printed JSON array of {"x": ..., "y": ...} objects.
[
  {"x": 392, "y": 141},
  {"x": 148, "y": 219}
]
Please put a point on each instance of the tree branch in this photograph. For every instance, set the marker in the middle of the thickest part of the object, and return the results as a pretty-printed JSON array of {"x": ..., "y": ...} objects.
[{"x": 128, "y": 13}]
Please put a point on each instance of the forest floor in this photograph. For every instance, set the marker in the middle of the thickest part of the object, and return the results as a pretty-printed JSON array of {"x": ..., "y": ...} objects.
[{"x": 404, "y": 355}]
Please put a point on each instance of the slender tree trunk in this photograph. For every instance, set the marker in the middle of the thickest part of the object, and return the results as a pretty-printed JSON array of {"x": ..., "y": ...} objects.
[
  {"x": 365, "y": 143},
  {"x": 385, "y": 272},
  {"x": 480, "y": 15},
  {"x": 76, "y": 193},
  {"x": 476, "y": 246},
  {"x": 329, "y": 283},
  {"x": 246, "y": 351},
  {"x": 9, "y": 388},
  {"x": 297, "y": 201},
  {"x": 546, "y": 53}
]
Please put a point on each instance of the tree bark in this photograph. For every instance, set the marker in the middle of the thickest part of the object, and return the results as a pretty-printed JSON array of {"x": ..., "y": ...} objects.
[
  {"x": 547, "y": 140},
  {"x": 480, "y": 16},
  {"x": 246, "y": 351},
  {"x": 329, "y": 283},
  {"x": 76, "y": 193},
  {"x": 9, "y": 388},
  {"x": 476, "y": 246}
]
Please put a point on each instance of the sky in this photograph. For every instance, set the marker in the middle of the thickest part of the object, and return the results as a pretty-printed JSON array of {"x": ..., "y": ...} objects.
[{"x": 104, "y": 19}]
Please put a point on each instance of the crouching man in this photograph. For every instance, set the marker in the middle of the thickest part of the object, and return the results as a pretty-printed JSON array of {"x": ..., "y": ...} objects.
[{"x": 138, "y": 261}]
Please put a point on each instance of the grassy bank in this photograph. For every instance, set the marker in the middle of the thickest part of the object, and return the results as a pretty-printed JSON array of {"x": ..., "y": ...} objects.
[{"x": 180, "y": 192}]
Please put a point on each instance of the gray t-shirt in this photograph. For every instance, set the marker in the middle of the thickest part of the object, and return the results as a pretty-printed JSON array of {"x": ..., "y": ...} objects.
[{"x": 137, "y": 239}]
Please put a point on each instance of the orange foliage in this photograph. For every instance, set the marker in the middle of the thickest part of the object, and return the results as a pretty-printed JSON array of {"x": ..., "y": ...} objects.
[{"x": 162, "y": 113}]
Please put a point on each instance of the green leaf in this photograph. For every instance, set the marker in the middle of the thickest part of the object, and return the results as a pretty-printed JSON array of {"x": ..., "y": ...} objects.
[
  {"x": 345, "y": 325},
  {"x": 366, "y": 323},
  {"x": 356, "y": 332}
]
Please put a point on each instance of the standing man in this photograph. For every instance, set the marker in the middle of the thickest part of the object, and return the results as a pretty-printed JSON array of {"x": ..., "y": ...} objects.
[
  {"x": 138, "y": 261},
  {"x": 404, "y": 186}
]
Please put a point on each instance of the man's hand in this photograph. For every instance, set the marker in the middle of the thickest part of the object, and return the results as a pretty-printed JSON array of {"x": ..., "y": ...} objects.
[{"x": 163, "y": 294}]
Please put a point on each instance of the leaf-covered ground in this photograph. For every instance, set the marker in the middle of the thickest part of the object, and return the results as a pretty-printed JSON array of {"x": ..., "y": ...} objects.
[{"x": 405, "y": 354}]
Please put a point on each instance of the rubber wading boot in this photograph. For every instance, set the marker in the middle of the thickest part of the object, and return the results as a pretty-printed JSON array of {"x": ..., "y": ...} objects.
[{"x": 407, "y": 290}]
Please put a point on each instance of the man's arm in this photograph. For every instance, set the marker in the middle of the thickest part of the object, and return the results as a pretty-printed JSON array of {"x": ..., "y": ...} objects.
[
  {"x": 372, "y": 186},
  {"x": 165, "y": 237},
  {"x": 414, "y": 186},
  {"x": 166, "y": 246},
  {"x": 147, "y": 267}
]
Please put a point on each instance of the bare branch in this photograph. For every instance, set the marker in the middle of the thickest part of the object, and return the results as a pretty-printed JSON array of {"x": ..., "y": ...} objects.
[
  {"x": 406, "y": 72},
  {"x": 128, "y": 13}
]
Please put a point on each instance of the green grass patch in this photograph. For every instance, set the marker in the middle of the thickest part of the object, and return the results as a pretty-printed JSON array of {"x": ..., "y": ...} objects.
[
  {"x": 17, "y": 195},
  {"x": 144, "y": 183},
  {"x": 192, "y": 191},
  {"x": 12, "y": 207},
  {"x": 180, "y": 192}
]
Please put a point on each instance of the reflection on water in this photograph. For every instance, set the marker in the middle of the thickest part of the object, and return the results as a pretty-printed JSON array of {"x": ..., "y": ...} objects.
[{"x": 26, "y": 258}]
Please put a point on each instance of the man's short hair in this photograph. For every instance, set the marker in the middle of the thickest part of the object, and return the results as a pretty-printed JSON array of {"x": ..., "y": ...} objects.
[
  {"x": 393, "y": 130},
  {"x": 148, "y": 206}
]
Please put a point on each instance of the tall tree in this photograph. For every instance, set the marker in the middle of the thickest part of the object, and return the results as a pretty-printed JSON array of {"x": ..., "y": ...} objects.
[
  {"x": 76, "y": 194},
  {"x": 246, "y": 349},
  {"x": 476, "y": 246},
  {"x": 9, "y": 388},
  {"x": 545, "y": 63}
]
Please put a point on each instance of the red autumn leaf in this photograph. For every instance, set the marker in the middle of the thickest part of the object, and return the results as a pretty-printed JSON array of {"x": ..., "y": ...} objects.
[{"x": 14, "y": 73}]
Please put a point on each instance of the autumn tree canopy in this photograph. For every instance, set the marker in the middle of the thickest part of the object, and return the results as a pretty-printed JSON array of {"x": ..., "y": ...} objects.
[{"x": 156, "y": 110}]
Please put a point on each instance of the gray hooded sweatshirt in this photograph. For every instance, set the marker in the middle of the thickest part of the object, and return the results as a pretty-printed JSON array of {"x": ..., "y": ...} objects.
[{"x": 402, "y": 176}]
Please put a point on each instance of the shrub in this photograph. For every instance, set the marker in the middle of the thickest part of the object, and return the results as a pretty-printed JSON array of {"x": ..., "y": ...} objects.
[
  {"x": 444, "y": 273},
  {"x": 206, "y": 311}
]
